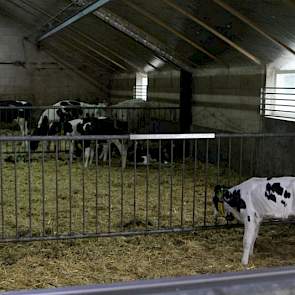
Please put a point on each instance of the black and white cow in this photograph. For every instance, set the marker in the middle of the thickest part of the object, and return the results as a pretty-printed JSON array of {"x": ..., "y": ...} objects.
[
  {"x": 155, "y": 153},
  {"x": 254, "y": 200},
  {"x": 12, "y": 111},
  {"x": 96, "y": 126},
  {"x": 52, "y": 119}
]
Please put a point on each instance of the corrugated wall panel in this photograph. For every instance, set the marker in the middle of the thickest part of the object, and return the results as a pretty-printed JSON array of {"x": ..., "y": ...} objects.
[
  {"x": 122, "y": 87},
  {"x": 227, "y": 99},
  {"x": 164, "y": 88}
]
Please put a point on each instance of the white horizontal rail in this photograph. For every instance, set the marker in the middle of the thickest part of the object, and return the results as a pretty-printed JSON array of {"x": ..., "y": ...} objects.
[{"x": 172, "y": 136}]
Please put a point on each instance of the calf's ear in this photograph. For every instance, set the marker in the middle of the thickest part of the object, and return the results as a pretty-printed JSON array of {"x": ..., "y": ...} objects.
[{"x": 226, "y": 195}]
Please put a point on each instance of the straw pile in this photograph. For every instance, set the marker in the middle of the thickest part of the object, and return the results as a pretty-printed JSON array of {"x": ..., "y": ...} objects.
[{"x": 107, "y": 260}]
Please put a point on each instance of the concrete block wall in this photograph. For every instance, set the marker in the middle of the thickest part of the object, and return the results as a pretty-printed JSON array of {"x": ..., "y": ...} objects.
[
  {"x": 122, "y": 87},
  {"x": 164, "y": 88},
  {"x": 28, "y": 73},
  {"x": 227, "y": 99}
]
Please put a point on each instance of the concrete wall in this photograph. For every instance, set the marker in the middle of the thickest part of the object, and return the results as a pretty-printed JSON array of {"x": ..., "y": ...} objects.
[
  {"x": 164, "y": 88},
  {"x": 27, "y": 73},
  {"x": 227, "y": 99},
  {"x": 122, "y": 87}
]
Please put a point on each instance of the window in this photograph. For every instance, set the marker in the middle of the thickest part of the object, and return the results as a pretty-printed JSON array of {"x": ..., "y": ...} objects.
[
  {"x": 140, "y": 89},
  {"x": 278, "y": 102}
]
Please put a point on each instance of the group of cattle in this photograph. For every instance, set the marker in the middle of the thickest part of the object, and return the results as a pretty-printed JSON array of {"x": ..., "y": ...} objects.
[{"x": 70, "y": 117}]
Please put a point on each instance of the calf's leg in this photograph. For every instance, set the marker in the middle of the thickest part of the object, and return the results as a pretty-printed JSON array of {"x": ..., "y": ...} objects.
[{"x": 248, "y": 240}]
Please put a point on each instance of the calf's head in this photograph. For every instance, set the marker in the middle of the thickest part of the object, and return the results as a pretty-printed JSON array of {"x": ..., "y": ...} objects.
[{"x": 221, "y": 195}]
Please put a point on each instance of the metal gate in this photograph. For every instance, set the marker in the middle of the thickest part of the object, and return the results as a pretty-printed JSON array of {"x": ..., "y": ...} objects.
[{"x": 166, "y": 185}]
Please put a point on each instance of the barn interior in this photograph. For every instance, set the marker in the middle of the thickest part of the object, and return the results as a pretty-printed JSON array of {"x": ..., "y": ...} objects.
[{"x": 229, "y": 66}]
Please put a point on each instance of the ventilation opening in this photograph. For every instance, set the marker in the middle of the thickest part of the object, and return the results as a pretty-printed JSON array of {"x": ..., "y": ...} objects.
[
  {"x": 278, "y": 102},
  {"x": 140, "y": 89}
]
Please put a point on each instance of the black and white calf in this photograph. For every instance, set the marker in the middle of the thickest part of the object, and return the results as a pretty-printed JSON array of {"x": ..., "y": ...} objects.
[
  {"x": 52, "y": 119},
  {"x": 96, "y": 126},
  {"x": 252, "y": 201},
  {"x": 13, "y": 111}
]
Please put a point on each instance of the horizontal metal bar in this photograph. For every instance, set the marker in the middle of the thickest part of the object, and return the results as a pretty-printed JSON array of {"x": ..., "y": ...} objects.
[
  {"x": 283, "y": 111},
  {"x": 279, "y": 99},
  {"x": 57, "y": 138},
  {"x": 279, "y": 88},
  {"x": 278, "y": 93},
  {"x": 279, "y": 105},
  {"x": 253, "y": 135},
  {"x": 280, "y": 117},
  {"x": 89, "y": 9},
  {"x": 172, "y": 136},
  {"x": 88, "y": 107},
  {"x": 75, "y": 236},
  {"x": 275, "y": 278},
  {"x": 143, "y": 136}
]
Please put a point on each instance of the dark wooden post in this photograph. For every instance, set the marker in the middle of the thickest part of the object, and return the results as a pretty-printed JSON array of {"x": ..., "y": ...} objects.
[{"x": 186, "y": 80}]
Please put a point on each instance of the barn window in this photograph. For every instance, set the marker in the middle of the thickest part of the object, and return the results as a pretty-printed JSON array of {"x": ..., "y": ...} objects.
[
  {"x": 140, "y": 89},
  {"x": 279, "y": 101}
]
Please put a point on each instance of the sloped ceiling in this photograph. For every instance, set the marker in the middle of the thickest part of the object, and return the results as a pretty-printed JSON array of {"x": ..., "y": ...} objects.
[{"x": 192, "y": 32}]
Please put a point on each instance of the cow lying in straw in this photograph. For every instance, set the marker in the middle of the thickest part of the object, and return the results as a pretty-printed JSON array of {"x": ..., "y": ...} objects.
[{"x": 252, "y": 201}]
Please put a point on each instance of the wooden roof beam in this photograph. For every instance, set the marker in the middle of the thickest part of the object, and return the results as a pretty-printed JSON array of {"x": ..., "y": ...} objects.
[
  {"x": 171, "y": 30},
  {"x": 254, "y": 26},
  {"x": 140, "y": 37},
  {"x": 198, "y": 21},
  {"x": 74, "y": 69},
  {"x": 82, "y": 13}
]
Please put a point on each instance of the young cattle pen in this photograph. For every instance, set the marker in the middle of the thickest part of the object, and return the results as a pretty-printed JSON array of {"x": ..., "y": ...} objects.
[
  {"x": 46, "y": 195},
  {"x": 51, "y": 195}
]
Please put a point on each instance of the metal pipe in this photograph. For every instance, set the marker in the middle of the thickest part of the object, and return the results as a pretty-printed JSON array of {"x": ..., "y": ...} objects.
[
  {"x": 82, "y": 13},
  {"x": 140, "y": 37}
]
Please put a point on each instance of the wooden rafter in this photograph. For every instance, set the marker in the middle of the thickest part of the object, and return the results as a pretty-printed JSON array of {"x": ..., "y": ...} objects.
[
  {"x": 81, "y": 34},
  {"x": 71, "y": 44},
  {"x": 92, "y": 40},
  {"x": 94, "y": 82},
  {"x": 173, "y": 31},
  {"x": 195, "y": 19},
  {"x": 140, "y": 36},
  {"x": 254, "y": 26}
]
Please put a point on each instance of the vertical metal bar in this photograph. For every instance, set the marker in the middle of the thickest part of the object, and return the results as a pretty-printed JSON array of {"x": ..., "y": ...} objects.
[
  {"x": 70, "y": 190},
  {"x": 15, "y": 190},
  {"x": 263, "y": 157},
  {"x": 194, "y": 180},
  {"x": 218, "y": 159},
  {"x": 110, "y": 194},
  {"x": 206, "y": 182},
  {"x": 171, "y": 186},
  {"x": 43, "y": 190},
  {"x": 147, "y": 186},
  {"x": 83, "y": 187},
  {"x": 229, "y": 161},
  {"x": 159, "y": 184},
  {"x": 30, "y": 190},
  {"x": 134, "y": 184},
  {"x": 241, "y": 159},
  {"x": 182, "y": 184},
  {"x": 96, "y": 187},
  {"x": 122, "y": 192},
  {"x": 56, "y": 189},
  {"x": 1, "y": 191}
]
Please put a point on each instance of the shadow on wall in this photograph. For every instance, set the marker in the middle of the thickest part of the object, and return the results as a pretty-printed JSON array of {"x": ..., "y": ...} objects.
[{"x": 260, "y": 156}]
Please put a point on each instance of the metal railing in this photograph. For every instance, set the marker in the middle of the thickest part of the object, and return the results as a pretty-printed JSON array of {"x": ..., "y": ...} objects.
[
  {"x": 265, "y": 281},
  {"x": 140, "y": 92},
  {"x": 166, "y": 186},
  {"x": 130, "y": 119},
  {"x": 278, "y": 103}
]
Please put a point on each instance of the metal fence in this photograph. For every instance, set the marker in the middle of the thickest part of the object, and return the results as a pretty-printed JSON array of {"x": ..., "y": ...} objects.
[
  {"x": 131, "y": 119},
  {"x": 278, "y": 103},
  {"x": 166, "y": 186}
]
